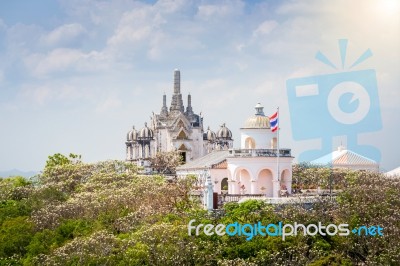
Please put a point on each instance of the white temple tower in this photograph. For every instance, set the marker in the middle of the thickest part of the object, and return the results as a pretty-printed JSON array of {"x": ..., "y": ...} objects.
[
  {"x": 175, "y": 129},
  {"x": 255, "y": 168}
]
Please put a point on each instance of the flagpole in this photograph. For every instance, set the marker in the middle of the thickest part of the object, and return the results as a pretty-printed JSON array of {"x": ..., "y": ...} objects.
[{"x": 277, "y": 150}]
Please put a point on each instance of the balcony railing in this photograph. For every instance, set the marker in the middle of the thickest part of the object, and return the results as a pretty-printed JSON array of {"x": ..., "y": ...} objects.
[{"x": 260, "y": 152}]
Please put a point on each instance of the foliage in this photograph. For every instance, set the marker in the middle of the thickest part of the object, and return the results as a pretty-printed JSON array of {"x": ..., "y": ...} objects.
[
  {"x": 108, "y": 214},
  {"x": 60, "y": 159},
  {"x": 166, "y": 162},
  {"x": 307, "y": 176}
]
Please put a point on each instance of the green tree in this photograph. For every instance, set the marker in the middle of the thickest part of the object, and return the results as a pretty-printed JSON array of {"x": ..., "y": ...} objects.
[
  {"x": 60, "y": 159},
  {"x": 15, "y": 235}
]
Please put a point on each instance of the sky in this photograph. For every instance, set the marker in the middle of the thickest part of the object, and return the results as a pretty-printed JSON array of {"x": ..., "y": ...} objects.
[{"x": 76, "y": 75}]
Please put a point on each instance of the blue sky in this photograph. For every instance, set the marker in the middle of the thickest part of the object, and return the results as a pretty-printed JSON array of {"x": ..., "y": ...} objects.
[{"x": 76, "y": 75}]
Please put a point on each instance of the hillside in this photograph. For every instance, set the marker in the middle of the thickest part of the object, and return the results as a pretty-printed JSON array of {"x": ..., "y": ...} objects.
[{"x": 108, "y": 214}]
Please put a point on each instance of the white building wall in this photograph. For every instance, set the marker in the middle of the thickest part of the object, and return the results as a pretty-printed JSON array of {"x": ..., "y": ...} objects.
[
  {"x": 262, "y": 137},
  {"x": 216, "y": 176},
  {"x": 254, "y": 166}
]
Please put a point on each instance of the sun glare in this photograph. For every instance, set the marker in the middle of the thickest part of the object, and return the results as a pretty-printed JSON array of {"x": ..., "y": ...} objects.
[{"x": 389, "y": 7}]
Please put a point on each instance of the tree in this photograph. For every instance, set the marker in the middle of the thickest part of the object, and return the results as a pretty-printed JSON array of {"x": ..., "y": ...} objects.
[
  {"x": 60, "y": 159},
  {"x": 15, "y": 235},
  {"x": 166, "y": 162}
]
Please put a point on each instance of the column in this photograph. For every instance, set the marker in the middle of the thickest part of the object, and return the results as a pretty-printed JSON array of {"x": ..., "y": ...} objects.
[
  {"x": 232, "y": 187},
  {"x": 253, "y": 188},
  {"x": 209, "y": 194},
  {"x": 276, "y": 187}
]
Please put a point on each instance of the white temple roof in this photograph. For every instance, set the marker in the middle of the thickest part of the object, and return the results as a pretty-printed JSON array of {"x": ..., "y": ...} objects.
[
  {"x": 394, "y": 172},
  {"x": 206, "y": 161},
  {"x": 343, "y": 157}
]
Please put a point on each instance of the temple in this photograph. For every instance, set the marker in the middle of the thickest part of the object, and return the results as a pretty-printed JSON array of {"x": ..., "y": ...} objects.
[
  {"x": 259, "y": 166},
  {"x": 175, "y": 129}
]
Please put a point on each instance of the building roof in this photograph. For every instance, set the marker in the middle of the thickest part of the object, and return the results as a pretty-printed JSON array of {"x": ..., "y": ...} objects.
[
  {"x": 344, "y": 157},
  {"x": 224, "y": 133},
  {"x": 394, "y": 172},
  {"x": 206, "y": 161},
  {"x": 258, "y": 120}
]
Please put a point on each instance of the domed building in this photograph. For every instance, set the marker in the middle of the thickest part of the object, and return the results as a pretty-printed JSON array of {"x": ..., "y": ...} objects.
[
  {"x": 258, "y": 167},
  {"x": 175, "y": 129},
  {"x": 224, "y": 139},
  {"x": 256, "y": 132},
  {"x": 209, "y": 138}
]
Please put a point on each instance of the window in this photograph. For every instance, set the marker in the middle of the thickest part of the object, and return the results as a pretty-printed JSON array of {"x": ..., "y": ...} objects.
[{"x": 224, "y": 183}]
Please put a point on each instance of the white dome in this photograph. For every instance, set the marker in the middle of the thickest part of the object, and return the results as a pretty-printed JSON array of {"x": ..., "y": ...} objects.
[
  {"x": 209, "y": 135},
  {"x": 132, "y": 135},
  {"x": 259, "y": 120},
  {"x": 146, "y": 133},
  {"x": 224, "y": 133}
]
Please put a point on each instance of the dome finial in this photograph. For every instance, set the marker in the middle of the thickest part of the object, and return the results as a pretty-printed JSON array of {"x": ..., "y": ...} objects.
[
  {"x": 259, "y": 109},
  {"x": 258, "y": 120}
]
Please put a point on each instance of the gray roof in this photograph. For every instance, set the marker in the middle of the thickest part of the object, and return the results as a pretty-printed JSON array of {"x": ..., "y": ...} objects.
[{"x": 205, "y": 161}]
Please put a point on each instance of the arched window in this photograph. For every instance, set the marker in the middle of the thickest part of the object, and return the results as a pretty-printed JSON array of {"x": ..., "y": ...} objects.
[
  {"x": 224, "y": 184},
  {"x": 181, "y": 135},
  {"x": 250, "y": 143}
]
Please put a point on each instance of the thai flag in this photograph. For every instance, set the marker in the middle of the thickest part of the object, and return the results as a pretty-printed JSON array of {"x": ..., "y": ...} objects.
[{"x": 273, "y": 120}]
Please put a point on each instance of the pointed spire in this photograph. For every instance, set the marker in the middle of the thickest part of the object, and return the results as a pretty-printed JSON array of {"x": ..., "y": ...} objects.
[
  {"x": 177, "y": 102},
  {"x": 189, "y": 109},
  {"x": 177, "y": 81},
  {"x": 164, "y": 109}
]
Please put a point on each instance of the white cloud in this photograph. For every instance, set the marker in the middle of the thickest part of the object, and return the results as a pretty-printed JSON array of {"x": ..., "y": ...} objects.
[
  {"x": 220, "y": 10},
  {"x": 170, "y": 6},
  {"x": 63, "y": 34},
  {"x": 51, "y": 91},
  {"x": 21, "y": 38},
  {"x": 135, "y": 26},
  {"x": 37, "y": 95},
  {"x": 265, "y": 27},
  {"x": 154, "y": 31},
  {"x": 65, "y": 59},
  {"x": 219, "y": 86},
  {"x": 110, "y": 103}
]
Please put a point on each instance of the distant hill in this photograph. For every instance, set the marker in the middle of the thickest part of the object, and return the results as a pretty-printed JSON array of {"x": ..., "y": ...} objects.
[{"x": 16, "y": 172}]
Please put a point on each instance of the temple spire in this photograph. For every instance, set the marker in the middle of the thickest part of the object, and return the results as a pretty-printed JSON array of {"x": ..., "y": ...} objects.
[
  {"x": 177, "y": 81},
  {"x": 177, "y": 102},
  {"x": 189, "y": 109},
  {"x": 164, "y": 109}
]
